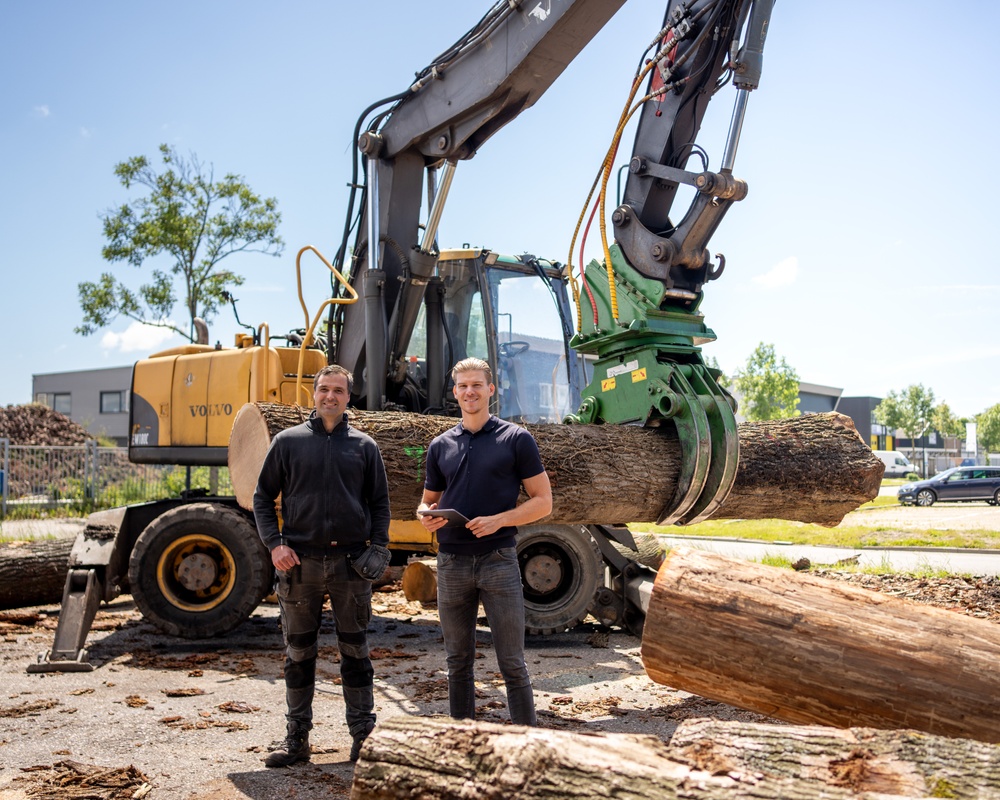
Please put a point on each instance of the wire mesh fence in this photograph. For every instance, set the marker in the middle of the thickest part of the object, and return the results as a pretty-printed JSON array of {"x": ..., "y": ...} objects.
[{"x": 90, "y": 477}]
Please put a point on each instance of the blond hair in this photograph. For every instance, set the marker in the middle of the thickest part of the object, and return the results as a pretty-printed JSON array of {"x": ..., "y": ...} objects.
[{"x": 472, "y": 364}]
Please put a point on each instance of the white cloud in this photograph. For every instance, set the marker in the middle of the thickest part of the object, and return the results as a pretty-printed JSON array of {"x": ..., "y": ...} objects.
[
  {"x": 137, "y": 337},
  {"x": 41, "y": 111},
  {"x": 783, "y": 273}
]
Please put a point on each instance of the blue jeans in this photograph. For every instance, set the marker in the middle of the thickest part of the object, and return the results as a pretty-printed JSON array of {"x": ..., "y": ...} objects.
[
  {"x": 493, "y": 579},
  {"x": 301, "y": 591}
]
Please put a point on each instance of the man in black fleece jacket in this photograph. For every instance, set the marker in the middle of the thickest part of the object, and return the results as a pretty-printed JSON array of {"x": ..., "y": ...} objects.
[{"x": 334, "y": 504}]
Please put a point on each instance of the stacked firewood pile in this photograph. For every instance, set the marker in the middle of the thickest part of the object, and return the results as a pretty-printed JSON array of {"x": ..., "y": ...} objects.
[{"x": 36, "y": 425}]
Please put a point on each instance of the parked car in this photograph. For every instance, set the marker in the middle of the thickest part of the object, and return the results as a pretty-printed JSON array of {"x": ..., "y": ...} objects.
[
  {"x": 896, "y": 464},
  {"x": 958, "y": 484}
]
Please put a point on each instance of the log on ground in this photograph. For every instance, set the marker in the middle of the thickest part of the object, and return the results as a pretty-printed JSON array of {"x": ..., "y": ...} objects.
[
  {"x": 419, "y": 581},
  {"x": 33, "y": 573},
  {"x": 813, "y": 468},
  {"x": 807, "y": 649},
  {"x": 439, "y": 759}
]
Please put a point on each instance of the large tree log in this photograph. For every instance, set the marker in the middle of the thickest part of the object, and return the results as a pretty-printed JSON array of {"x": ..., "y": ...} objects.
[
  {"x": 438, "y": 759},
  {"x": 898, "y": 762},
  {"x": 33, "y": 573},
  {"x": 807, "y": 649},
  {"x": 813, "y": 468}
]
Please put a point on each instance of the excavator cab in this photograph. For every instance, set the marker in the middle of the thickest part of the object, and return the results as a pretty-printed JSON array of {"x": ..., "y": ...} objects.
[{"x": 514, "y": 313}]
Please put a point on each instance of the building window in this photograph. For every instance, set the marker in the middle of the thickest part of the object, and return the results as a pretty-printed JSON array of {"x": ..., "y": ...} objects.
[
  {"x": 56, "y": 401},
  {"x": 112, "y": 402}
]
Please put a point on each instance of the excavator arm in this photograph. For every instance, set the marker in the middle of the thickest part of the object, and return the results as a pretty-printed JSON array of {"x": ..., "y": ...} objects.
[
  {"x": 486, "y": 79},
  {"x": 638, "y": 308}
]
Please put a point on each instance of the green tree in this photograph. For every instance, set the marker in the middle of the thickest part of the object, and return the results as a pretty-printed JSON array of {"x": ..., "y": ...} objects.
[
  {"x": 769, "y": 387},
  {"x": 988, "y": 429},
  {"x": 946, "y": 423},
  {"x": 196, "y": 222},
  {"x": 910, "y": 410}
]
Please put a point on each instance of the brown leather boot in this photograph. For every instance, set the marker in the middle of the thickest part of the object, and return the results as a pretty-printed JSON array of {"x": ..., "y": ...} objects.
[{"x": 296, "y": 748}]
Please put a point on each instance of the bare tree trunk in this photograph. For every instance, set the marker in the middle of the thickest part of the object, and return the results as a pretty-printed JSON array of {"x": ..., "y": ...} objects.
[
  {"x": 812, "y": 650},
  {"x": 438, "y": 759},
  {"x": 813, "y": 468},
  {"x": 33, "y": 573}
]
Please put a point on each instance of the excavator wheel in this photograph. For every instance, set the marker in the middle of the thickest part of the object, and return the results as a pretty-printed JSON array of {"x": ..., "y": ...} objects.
[
  {"x": 199, "y": 570},
  {"x": 561, "y": 570}
]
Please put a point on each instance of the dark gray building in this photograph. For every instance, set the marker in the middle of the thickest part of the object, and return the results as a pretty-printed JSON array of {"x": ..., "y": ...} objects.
[
  {"x": 862, "y": 411},
  {"x": 816, "y": 399},
  {"x": 97, "y": 399}
]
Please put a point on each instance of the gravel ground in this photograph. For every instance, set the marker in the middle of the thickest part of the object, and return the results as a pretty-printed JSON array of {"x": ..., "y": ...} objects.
[
  {"x": 197, "y": 718},
  {"x": 194, "y": 720}
]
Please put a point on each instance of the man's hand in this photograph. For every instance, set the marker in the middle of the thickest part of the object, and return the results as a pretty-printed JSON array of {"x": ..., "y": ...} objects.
[
  {"x": 484, "y": 526},
  {"x": 429, "y": 521},
  {"x": 284, "y": 558}
]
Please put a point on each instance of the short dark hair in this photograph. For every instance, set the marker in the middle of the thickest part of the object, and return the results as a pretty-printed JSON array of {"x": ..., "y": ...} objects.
[
  {"x": 472, "y": 364},
  {"x": 335, "y": 369}
]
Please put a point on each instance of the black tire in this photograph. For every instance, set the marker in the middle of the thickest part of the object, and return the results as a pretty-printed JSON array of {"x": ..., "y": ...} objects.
[
  {"x": 199, "y": 570},
  {"x": 926, "y": 498},
  {"x": 561, "y": 570},
  {"x": 996, "y": 498}
]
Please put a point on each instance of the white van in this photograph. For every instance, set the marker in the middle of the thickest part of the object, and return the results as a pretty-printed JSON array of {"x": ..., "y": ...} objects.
[{"x": 896, "y": 464}]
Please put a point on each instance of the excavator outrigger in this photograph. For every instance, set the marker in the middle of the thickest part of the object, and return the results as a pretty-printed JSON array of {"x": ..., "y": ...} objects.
[{"x": 402, "y": 311}]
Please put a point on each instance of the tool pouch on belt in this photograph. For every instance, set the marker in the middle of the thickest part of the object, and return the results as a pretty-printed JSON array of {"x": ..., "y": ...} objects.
[{"x": 372, "y": 562}]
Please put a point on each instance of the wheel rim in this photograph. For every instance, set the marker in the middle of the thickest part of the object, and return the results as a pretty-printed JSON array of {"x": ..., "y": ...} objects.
[
  {"x": 196, "y": 572},
  {"x": 925, "y": 498},
  {"x": 548, "y": 572}
]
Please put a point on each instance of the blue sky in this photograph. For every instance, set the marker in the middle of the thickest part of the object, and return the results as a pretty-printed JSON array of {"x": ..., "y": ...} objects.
[{"x": 864, "y": 252}]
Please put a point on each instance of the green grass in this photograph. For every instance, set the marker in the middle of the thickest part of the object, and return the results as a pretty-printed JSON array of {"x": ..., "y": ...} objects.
[{"x": 851, "y": 533}]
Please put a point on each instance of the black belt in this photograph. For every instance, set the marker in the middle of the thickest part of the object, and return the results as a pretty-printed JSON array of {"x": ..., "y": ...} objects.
[{"x": 320, "y": 551}]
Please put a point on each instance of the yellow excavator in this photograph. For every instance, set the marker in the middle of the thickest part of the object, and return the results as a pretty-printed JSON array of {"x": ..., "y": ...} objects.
[{"x": 616, "y": 342}]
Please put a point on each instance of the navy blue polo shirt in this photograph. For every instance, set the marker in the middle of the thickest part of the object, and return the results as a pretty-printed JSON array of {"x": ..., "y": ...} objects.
[{"x": 480, "y": 474}]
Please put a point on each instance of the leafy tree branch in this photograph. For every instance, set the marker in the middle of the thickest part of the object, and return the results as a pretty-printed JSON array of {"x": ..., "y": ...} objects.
[
  {"x": 769, "y": 386},
  {"x": 911, "y": 411},
  {"x": 193, "y": 220}
]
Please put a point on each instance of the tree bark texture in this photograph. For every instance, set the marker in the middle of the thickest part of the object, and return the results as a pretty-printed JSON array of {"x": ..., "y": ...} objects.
[
  {"x": 440, "y": 759},
  {"x": 806, "y": 649},
  {"x": 813, "y": 468},
  {"x": 33, "y": 573}
]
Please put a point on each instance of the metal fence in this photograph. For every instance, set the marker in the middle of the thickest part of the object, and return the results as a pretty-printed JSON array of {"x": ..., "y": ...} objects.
[
  {"x": 934, "y": 462},
  {"x": 88, "y": 476}
]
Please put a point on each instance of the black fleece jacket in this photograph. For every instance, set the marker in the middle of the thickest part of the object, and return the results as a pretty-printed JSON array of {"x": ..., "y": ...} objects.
[{"x": 332, "y": 485}]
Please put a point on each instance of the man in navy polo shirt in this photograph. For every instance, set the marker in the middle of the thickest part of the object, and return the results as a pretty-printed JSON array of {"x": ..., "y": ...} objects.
[{"x": 478, "y": 468}]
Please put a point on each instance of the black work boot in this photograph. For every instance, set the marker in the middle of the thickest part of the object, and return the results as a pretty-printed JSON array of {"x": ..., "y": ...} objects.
[
  {"x": 296, "y": 747},
  {"x": 359, "y": 739}
]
